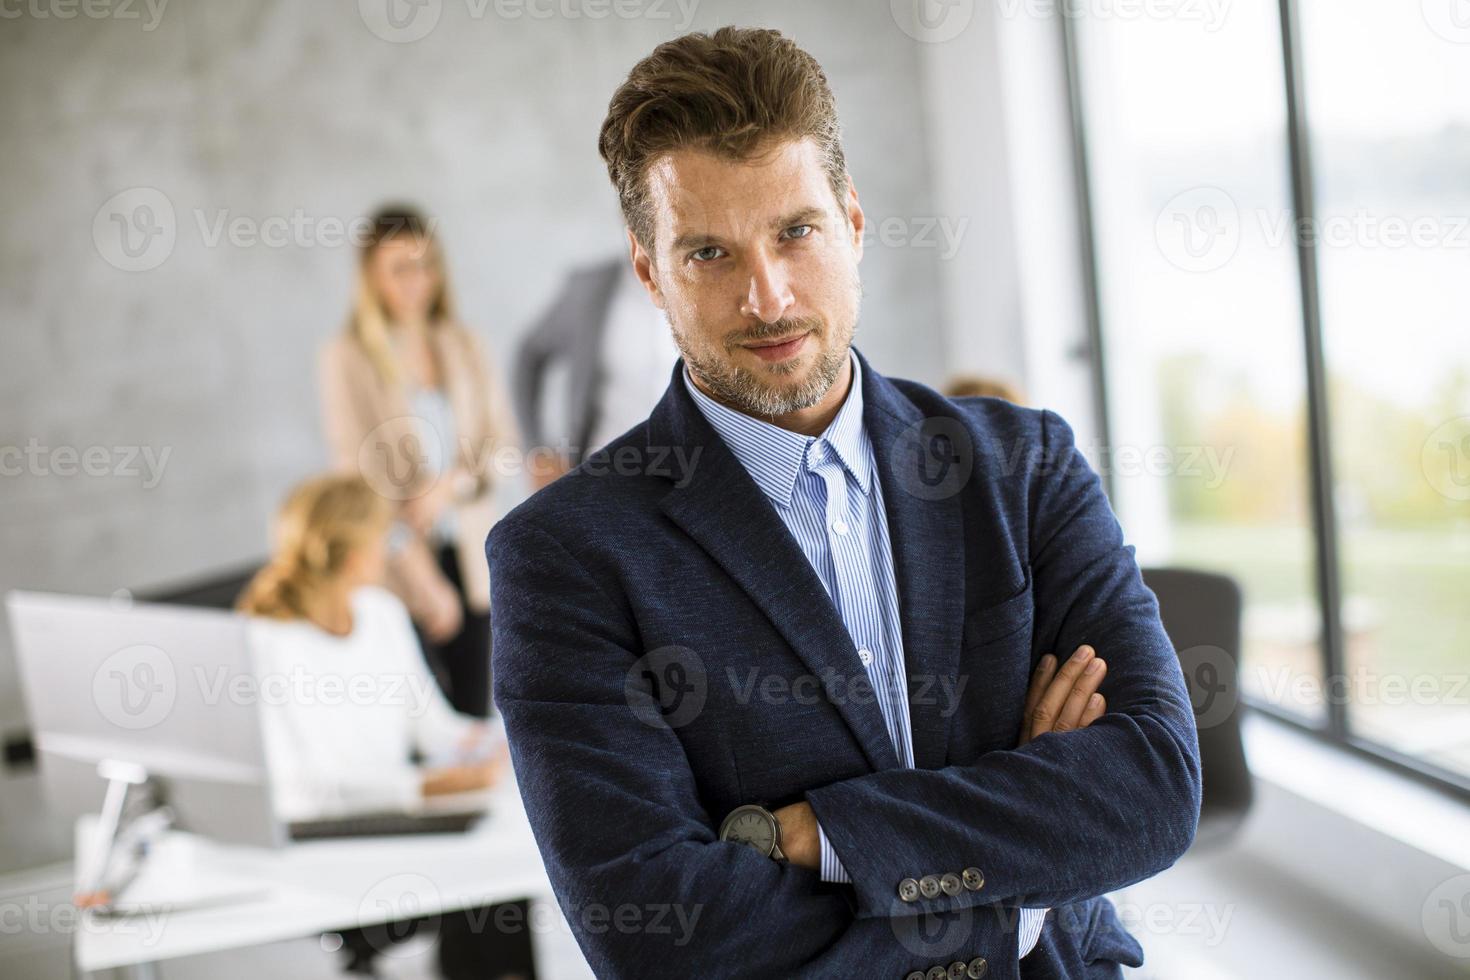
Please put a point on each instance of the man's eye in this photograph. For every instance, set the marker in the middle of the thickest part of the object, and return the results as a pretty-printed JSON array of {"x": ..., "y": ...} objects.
[
  {"x": 799, "y": 231},
  {"x": 707, "y": 254}
]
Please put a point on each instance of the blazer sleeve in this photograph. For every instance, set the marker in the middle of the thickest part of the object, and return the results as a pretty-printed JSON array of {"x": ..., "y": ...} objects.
[
  {"x": 1068, "y": 816},
  {"x": 614, "y": 805},
  {"x": 537, "y": 349}
]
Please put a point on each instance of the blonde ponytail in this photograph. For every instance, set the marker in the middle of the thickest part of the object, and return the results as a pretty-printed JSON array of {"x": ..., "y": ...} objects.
[{"x": 321, "y": 523}]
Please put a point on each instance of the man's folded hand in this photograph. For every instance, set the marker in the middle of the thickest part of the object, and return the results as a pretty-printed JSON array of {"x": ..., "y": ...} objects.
[{"x": 1064, "y": 699}]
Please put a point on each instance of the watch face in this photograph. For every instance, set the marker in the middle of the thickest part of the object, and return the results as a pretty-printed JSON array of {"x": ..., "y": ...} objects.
[{"x": 750, "y": 825}]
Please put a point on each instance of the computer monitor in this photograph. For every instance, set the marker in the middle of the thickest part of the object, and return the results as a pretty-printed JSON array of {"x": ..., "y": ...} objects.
[{"x": 166, "y": 688}]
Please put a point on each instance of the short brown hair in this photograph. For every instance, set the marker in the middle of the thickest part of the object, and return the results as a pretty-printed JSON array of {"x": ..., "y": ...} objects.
[{"x": 730, "y": 93}]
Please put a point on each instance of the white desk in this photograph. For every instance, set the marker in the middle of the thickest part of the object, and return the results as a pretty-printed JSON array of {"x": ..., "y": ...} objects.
[{"x": 319, "y": 886}]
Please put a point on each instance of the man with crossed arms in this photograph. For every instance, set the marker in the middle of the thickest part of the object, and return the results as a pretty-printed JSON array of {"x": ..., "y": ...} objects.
[{"x": 801, "y": 695}]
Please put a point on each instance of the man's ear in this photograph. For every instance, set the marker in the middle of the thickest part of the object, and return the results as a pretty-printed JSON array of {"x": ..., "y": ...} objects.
[
  {"x": 643, "y": 269},
  {"x": 855, "y": 218}
]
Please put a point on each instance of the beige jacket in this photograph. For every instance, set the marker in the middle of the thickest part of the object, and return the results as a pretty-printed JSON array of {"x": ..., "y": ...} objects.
[{"x": 370, "y": 429}]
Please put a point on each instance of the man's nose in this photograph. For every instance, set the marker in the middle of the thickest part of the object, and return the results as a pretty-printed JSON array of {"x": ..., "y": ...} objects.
[{"x": 769, "y": 295}]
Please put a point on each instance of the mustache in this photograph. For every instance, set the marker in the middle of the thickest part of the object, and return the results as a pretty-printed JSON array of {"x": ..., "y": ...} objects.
[{"x": 784, "y": 327}]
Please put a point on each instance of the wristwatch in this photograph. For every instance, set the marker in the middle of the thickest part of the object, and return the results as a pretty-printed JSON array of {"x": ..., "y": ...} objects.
[{"x": 756, "y": 826}]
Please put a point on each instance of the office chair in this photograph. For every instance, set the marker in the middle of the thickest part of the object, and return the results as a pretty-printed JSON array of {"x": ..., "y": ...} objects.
[
  {"x": 217, "y": 591},
  {"x": 1201, "y": 612}
]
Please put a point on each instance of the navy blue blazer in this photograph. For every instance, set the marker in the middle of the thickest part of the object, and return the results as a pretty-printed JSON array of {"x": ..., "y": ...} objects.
[{"x": 663, "y": 652}]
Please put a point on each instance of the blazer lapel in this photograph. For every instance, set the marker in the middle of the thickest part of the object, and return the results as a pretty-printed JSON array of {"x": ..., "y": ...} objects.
[
  {"x": 723, "y": 510},
  {"x": 926, "y": 530}
]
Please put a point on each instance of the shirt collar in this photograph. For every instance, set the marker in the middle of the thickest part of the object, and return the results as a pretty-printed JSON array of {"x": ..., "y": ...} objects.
[{"x": 774, "y": 456}]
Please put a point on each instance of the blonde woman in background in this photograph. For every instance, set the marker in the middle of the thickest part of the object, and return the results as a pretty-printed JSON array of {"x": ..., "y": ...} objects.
[
  {"x": 321, "y": 622},
  {"x": 320, "y": 612},
  {"x": 410, "y": 401}
]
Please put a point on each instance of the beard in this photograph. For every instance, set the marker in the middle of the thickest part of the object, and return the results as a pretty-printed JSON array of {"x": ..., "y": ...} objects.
[{"x": 777, "y": 389}]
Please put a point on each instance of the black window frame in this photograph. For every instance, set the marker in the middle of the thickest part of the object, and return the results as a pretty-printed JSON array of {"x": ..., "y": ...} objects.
[{"x": 1335, "y": 729}]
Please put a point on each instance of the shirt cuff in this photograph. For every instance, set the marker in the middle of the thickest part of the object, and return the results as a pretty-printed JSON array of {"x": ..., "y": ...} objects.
[
  {"x": 832, "y": 869},
  {"x": 1031, "y": 923}
]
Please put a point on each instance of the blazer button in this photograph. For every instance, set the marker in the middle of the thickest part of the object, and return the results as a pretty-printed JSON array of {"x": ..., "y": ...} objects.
[
  {"x": 908, "y": 890},
  {"x": 929, "y": 886},
  {"x": 957, "y": 970},
  {"x": 973, "y": 879},
  {"x": 937, "y": 973},
  {"x": 977, "y": 968},
  {"x": 916, "y": 975},
  {"x": 949, "y": 882}
]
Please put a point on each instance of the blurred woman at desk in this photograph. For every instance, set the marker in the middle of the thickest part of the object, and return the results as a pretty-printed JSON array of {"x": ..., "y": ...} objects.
[
  {"x": 410, "y": 402},
  {"x": 348, "y": 701},
  {"x": 356, "y": 699}
]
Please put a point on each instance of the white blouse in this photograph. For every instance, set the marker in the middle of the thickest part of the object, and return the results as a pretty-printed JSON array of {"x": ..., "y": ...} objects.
[{"x": 342, "y": 714}]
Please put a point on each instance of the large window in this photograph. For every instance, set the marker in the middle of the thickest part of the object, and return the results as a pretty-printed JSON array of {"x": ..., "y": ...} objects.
[
  {"x": 1390, "y": 140},
  {"x": 1217, "y": 373},
  {"x": 1201, "y": 320}
]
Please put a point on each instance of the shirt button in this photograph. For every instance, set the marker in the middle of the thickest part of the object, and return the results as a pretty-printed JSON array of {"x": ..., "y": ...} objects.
[
  {"x": 866, "y": 656},
  {"x": 840, "y": 526}
]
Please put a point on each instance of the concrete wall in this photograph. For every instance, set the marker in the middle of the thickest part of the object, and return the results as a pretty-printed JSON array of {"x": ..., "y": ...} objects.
[{"x": 152, "y": 418}]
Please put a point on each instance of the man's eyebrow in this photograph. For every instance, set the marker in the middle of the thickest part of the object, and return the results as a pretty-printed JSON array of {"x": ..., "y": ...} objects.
[
  {"x": 801, "y": 217},
  {"x": 693, "y": 241}
]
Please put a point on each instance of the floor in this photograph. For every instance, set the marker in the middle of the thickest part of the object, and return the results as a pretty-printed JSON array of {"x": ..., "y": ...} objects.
[{"x": 1231, "y": 916}]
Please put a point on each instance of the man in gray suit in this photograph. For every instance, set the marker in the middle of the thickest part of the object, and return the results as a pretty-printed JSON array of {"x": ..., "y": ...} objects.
[{"x": 615, "y": 350}]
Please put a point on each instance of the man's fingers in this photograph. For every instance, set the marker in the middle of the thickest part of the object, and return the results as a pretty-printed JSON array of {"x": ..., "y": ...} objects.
[
  {"x": 1044, "y": 716},
  {"x": 1082, "y": 691},
  {"x": 1039, "y": 679},
  {"x": 1097, "y": 706}
]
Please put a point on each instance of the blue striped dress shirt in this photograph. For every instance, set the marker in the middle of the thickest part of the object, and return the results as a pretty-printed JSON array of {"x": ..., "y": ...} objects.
[{"x": 826, "y": 490}]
